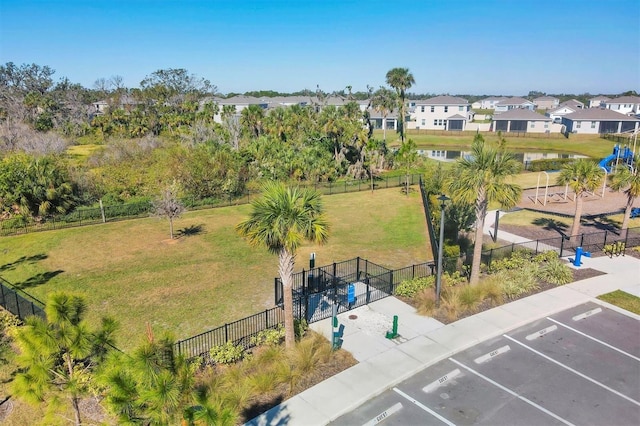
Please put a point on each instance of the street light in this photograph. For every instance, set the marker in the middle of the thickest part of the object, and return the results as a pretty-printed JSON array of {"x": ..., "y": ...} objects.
[{"x": 443, "y": 199}]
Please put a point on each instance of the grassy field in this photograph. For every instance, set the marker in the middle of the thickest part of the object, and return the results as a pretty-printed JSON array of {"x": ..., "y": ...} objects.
[{"x": 130, "y": 270}]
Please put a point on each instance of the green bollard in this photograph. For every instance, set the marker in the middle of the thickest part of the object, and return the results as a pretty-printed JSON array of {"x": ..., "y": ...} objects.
[{"x": 394, "y": 331}]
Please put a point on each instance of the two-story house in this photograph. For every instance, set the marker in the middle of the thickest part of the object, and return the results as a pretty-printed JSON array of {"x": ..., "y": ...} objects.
[
  {"x": 440, "y": 113},
  {"x": 598, "y": 101},
  {"x": 629, "y": 105},
  {"x": 546, "y": 102}
]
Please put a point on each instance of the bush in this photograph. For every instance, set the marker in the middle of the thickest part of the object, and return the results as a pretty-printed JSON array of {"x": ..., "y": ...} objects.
[
  {"x": 425, "y": 301},
  {"x": 518, "y": 259},
  {"x": 227, "y": 353},
  {"x": 270, "y": 337},
  {"x": 555, "y": 272},
  {"x": 516, "y": 282},
  {"x": 548, "y": 164},
  {"x": 409, "y": 288},
  {"x": 300, "y": 327}
]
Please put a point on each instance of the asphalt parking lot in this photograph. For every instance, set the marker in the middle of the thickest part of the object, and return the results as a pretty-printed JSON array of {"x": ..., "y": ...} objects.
[{"x": 578, "y": 367}]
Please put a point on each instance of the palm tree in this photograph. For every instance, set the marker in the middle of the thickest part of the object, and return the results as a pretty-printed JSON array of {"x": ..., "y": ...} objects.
[
  {"x": 282, "y": 220},
  {"x": 479, "y": 180},
  {"x": 627, "y": 179},
  {"x": 582, "y": 175},
  {"x": 401, "y": 80},
  {"x": 251, "y": 119},
  {"x": 58, "y": 354},
  {"x": 384, "y": 101}
]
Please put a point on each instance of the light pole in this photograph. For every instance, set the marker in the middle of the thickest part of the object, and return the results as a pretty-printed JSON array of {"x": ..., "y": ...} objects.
[{"x": 443, "y": 199}]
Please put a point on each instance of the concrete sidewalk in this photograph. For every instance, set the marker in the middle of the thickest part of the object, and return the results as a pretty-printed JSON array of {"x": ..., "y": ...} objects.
[{"x": 424, "y": 341}]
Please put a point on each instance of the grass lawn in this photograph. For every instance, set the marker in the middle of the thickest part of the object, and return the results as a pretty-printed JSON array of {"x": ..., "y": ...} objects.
[
  {"x": 623, "y": 300},
  {"x": 130, "y": 270}
]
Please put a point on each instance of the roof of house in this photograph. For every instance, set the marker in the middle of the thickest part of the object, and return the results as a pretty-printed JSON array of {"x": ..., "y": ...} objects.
[
  {"x": 598, "y": 114},
  {"x": 573, "y": 103},
  {"x": 494, "y": 98},
  {"x": 443, "y": 100},
  {"x": 457, "y": 117},
  {"x": 563, "y": 107},
  {"x": 514, "y": 101},
  {"x": 521, "y": 114},
  {"x": 545, "y": 98},
  {"x": 625, "y": 100},
  {"x": 600, "y": 98}
]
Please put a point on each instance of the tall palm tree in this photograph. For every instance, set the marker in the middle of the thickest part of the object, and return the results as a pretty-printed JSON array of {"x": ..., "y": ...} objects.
[
  {"x": 627, "y": 179},
  {"x": 582, "y": 175},
  {"x": 384, "y": 101},
  {"x": 282, "y": 219},
  {"x": 251, "y": 119},
  {"x": 479, "y": 180},
  {"x": 401, "y": 80}
]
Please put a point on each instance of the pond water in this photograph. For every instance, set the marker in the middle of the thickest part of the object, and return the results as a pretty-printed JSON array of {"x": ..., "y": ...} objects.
[{"x": 525, "y": 157}]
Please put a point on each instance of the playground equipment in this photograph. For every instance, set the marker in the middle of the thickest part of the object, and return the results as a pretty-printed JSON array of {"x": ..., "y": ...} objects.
[{"x": 617, "y": 157}]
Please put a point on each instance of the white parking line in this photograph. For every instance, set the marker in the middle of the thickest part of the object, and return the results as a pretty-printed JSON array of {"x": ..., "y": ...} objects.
[
  {"x": 509, "y": 391},
  {"x": 594, "y": 339},
  {"x": 424, "y": 407},
  {"x": 566, "y": 367}
]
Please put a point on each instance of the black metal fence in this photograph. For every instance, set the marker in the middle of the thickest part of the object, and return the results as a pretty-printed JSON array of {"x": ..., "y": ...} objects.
[
  {"x": 239, "y": 332},
  {"x": 18, "y": 302},
  {"x": 109, "y": 213},
  {"x": 565, "y": 245}
]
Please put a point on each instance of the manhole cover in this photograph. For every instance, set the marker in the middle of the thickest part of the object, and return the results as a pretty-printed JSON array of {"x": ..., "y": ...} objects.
[{"x": 353, "y": 317}]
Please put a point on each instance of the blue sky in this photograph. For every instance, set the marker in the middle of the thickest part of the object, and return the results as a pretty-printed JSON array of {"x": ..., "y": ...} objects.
[{"x": 459, "y": 47}]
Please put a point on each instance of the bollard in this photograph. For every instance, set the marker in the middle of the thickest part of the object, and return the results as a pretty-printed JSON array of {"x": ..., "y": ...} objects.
[{"x": 394, "y": 331}]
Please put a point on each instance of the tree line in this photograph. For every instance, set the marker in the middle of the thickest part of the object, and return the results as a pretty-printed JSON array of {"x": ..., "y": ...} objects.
[{"x": 164, "y": 133}]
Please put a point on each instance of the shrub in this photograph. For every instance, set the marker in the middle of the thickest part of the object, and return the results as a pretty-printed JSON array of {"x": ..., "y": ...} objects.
[
  {"x": 409, "y": 288},
  {"x": 227, "y": 353},
  {"x": 271, "y": 337},
  {"x": 469, "y": 297},
  {"x": 454, "y": 278},
  {"x": 546, "y": 256},
  {"x": 490, "y": 288},
  {"x": 517, "y": 260},
  {"x": 450, "y": 303},
  {"x": 555, "y": 272},
  {"x": 516, "y": 282},
  {"x": 425, "y": 301},
  {"x": 300, "y": 327}
]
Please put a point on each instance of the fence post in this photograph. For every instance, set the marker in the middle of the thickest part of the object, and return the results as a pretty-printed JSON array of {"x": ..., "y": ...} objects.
[
  {"x": 626, "y": 237},
  {"x": 226, "y": 332},
  {"x": 581, "y": 239},
  {"x": 391, "y": 286},
  {"x": 605, "y": 238},
  {"x": 358, "y": 268},
  {"x": 15, "y": 293},
  {"x": 266, "y": 319},
  {"x": 561, "y": 245}
]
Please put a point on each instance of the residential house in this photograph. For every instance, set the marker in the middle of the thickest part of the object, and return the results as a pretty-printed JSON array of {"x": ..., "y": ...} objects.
[
  {"x": 514, "y": 103},
  {"x": 476, "y": 105},
  {"x": 521, "y": 120},
  {"x": 546, "y": 102},
  {"x": 557, "y": 113},
  {"x": 599, "y": 121},
  {"x": 573, "y": 104},
  {"x": 440, "y": 113},
  {"x": 624, "y": 105},
  {"x": 598, "y": 101},
  {"x": 490, "y": 102}
]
